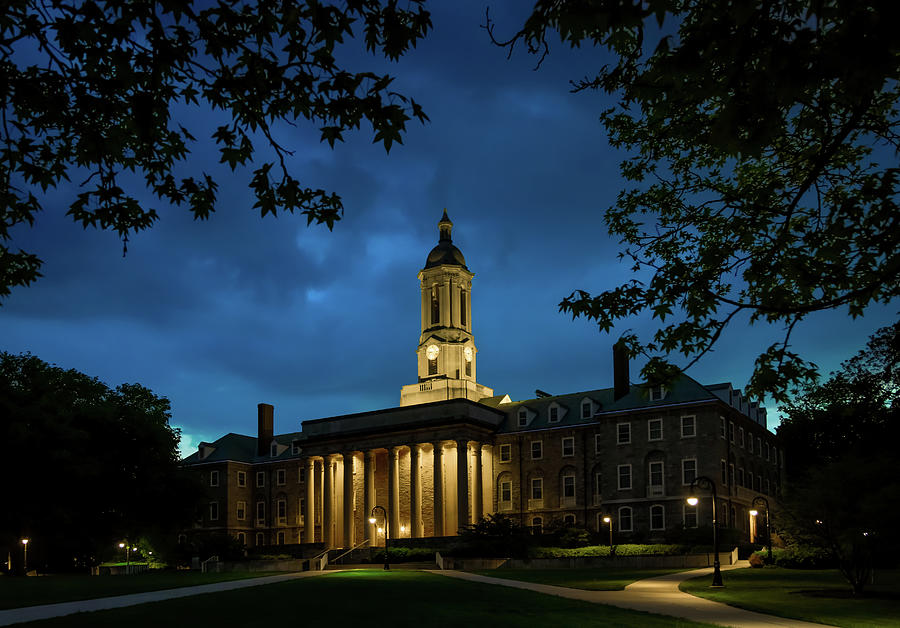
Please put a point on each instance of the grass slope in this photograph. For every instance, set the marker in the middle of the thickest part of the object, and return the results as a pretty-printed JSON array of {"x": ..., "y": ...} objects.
[
  {"x": 821, "y": 596},
  {"x": 369, "y": 598}
]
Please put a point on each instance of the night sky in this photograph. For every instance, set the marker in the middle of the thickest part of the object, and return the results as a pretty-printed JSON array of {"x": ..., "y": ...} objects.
[{"x": 221, "y": 315}]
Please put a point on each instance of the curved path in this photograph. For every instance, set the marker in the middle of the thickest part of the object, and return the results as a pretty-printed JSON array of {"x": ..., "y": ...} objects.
[{"x": 658, "y": 595}]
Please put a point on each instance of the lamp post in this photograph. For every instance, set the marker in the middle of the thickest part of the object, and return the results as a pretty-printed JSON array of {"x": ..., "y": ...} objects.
[
  {"x": 765, "y": 503},
  {"x": 704, "y": 482},
  {"x": 25, "y": 550},
  {"x": 608, "y": 520},
  {"x": 127, "y": 549},
  {"x": 387, "y": 533}
]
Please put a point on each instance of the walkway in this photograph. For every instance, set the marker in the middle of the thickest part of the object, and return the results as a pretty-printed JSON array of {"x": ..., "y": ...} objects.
[
  {"x": 46, "y": 611},
  {"x": 658, "y": 595}
]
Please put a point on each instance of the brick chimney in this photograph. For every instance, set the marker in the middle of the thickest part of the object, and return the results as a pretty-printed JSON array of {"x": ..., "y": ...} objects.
[
  {"x": 266, "y": 414},
  {"x": 621, "y": 381}
]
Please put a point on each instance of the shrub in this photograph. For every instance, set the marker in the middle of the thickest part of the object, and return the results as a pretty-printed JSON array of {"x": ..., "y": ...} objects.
[
  {"x": 802, "y": 557},
  {"x": 628, "y": 549}
]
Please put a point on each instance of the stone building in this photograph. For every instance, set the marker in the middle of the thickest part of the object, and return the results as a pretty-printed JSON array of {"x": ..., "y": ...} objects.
[{"x": 453, "y": 451}]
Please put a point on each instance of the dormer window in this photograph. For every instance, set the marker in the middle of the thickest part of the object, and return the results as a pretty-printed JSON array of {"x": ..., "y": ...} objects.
[
  {"x": 523, "y": 417},
  {"x": 295, "y": 449},
  {"x": 586, "y": 410},
  {"x": 657, "y": 393},
  {"x": 273, "y": 451},
  {"x": 554, "y": 414}
]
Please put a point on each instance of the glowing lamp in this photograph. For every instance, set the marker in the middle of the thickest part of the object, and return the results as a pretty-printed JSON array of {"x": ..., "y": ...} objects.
[
  {"x": 24, "y": 541},
  {"x": 371, "y": 519},
  {"x": 754, "y": 512},
  {"x": 606, "y": 519},
  {"x": 693, "y": 501},
  {"x": 121, "y": 545}
]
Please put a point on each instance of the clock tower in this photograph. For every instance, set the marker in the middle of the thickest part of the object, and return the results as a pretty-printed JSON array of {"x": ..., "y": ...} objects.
[{"x": 446, "y": 353}]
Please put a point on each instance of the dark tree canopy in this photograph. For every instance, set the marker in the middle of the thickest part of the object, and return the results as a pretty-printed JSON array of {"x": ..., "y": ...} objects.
[
  {"x": 763, "y": 150},
  {"x": 90, "y": 89},
  {"x": 85, "y": 465}
]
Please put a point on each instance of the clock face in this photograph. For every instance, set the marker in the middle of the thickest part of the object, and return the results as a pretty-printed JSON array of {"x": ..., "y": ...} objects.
[
  {"x": 432, "y": 352},
  {"x": 468, "y": 353}
]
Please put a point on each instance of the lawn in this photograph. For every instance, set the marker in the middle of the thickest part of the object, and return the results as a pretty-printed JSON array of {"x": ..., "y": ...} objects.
[
  {"x": 590, "y": 579},
  {"x": 812, "y": 595},
  {"x": 17, "y": 592},
  {"x": 368, "y": 598}
]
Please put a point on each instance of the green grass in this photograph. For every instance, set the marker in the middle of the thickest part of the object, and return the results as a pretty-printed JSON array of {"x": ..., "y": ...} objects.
[
  {"x": 598, "y": 579},
  {"x": 813, "y": 595},
  {"x": 369, "y": 598},
  {"x": 17, "y": 592}
]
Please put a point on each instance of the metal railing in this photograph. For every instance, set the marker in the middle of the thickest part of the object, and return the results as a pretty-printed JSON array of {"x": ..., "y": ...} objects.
[{"x": 357, "y": 546}]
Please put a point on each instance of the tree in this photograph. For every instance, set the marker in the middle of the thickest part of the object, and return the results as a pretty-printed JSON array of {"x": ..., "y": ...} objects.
[
  {"x": 86, "y": 465},
  {"x": 94, "y": 92},
  {"x": 840, "y": 446},
  {"x": 763, "y": 141}
]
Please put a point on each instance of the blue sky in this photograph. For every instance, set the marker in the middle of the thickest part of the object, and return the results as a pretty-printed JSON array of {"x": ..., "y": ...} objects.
[{"x": 221, "y": 315}]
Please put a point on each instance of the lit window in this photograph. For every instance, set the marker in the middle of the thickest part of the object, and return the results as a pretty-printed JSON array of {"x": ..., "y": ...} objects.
[
  {"x": 505, "y": 491},
  {"x": 569, "y": 486},
  {"x": 657, "y": 517},
  {"x": 568, "y": 446},
  {"x": 241, "y": 511},
  {"x": 537, "y": 449},
  {"x": 586, "y": 410},
  {"x": 242, "y": 478},
  {"x": 505, "y": 453},
  {"x": 623, "y": 433},
  {"x": 624, "y": 477},
  {"x": 260, "y": 478},
  {"x": 690, "y": 516},
  {"x": 688, "y": 470},
  {"x": 625, "y": 519},
  {"x": 537, "y": 488},
  {"x": 654, "y": 429},
  {"x": 213, "y": 478},
  {"x": 688, "y": 427},
  {"x": 214, "y": 511}
]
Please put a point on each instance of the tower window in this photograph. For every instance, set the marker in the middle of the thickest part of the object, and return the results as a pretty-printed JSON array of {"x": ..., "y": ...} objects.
[
  {"x": 432, "y": 367},
  {"x": 435, "y": 307},
  {"x": 468, "y": 368},
  {"x": 462, "y": 307}
]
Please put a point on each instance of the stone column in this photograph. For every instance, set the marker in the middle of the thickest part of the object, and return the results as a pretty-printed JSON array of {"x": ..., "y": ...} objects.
[
  {"x": 328, "y": 504},
  {"x": 438, "y": 489},
  {"x": 309, "y": 517},
  {"x": 462, "y": 483},
  {"x": 477, "y": 484},
  {"x": 415, "y": 493},
  {"x": 445, "y": 304},
  {"x": 349, "y": 528},
  {"x": 394, "y": 491},
  {"x": 369, "y": 495}
]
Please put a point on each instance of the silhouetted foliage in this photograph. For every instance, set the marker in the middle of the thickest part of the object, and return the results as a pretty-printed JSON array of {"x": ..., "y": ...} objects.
[
  {"x": 85, "y": 466},
  {"x": 840, "y": 442},
  {"x": 90, "y": 90},
  {"x": 495, "y": 535},
  {"x": 763, "y": 141}
]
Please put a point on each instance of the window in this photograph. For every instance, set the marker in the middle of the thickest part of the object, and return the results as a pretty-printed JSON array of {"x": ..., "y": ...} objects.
[
  {"x": 766, "y": 451},
  {"x": 241, "y": 511},
  {"x": 731, "y": 474},
  {"x": 568, "y": 446},
  {"x": 432, "y": 366},
  {"x": 598, "y": 484},
  {"x": 654, "y": 429},
  {"x": 689, "y": 516},
  {"x": 281, "y": 509},
  {"x": 731, "y": 432},
  {"x": 242, "y": 478},
  {"x": 766, "y": 491},
  {"x": 554, "y": 414},
  {"x": 301, "y": 510},
  {"x": 505, "y": 491},
  {"x": 462, "y": 310},
  {"x": 537, "y": 525},
  {"x": 656, "y": 478},
  {"x": 750, "y": 480},
  {"x": 505, "y": 453},
  {"x": 758, "y": 446},
  {"x": 569, "y": 520},
  {"x": 688, "y": 470},
  {"x": 301, "y": 476},
  {"x": 724, "y": 473},
  {"x": 260, "y": 478},
  {"x": 740, "y": 476},
  {"x": 586, "y": 410},
  {"x": 523, "y": 418},
  {"x": 623, "y": 433},
  {"x": 537, "y": 488},
  {"x": 279, "y": 477},
  {"x": 295, "y": 448},
  {"x": 722, "y": 427},
  {"x": 281, "y": 538},
  {"x": 657, "y": 393},
  {"x": 242, "y": 538},
  {"x": 260, "y": 512},
  {"x": 624, "y": 477},
  {"x": 213, "y": 478},
  {"x": 468, "y": 368},
  {"x": 750, "y": 443},
  {"x": 775, "y": 455},
  {"x": 569, "y": 486},
  {"x": 435, "y": 307},
  {"x": 741, "y": 437},
  {"x": 758, "y": 483},
  {"x": 213, "y": 511},
  {"x": 273, "y": 450},
  {"x": 597, "y": 443},
  {"x": 688, "y": 427},
  {"x": 260, "y": 539},
  {"x": 537, "y": 449},
  {"x": 625, "y": 519},
  {"x": 657, "y": 517}
]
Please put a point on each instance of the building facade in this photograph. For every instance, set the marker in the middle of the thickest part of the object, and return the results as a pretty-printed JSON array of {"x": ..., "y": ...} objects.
[{"x": 454, "y": 451}]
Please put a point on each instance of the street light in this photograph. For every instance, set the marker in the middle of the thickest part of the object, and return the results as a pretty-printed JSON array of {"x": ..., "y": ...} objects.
[
  {"x": 25, "y": 550},
  {"x": 764, "y": 502},
  {"x": 704, "y": 482},
  {"x": 127, "y": 556},
  {"x": 387, "y": 533},
  {"x": 608, "y": 520}
]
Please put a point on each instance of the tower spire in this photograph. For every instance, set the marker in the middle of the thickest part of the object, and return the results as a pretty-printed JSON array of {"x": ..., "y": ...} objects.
[{"x": 445, "y": 226}]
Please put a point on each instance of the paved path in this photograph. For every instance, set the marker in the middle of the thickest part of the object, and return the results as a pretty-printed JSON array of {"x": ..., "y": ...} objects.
[
  {"x": 46, "y": 611},
  {"x": 658, "y": 595}
]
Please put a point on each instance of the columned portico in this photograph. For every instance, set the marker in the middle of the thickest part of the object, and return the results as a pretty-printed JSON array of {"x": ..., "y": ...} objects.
[
  {"x": 477, "y": 485},
  {"x": 438, "y": 489},
  {"x": 394, "y": 491},
  {"x": 328, "y": 503},
  {"x": 309, "y": 517},
  {"x": 369, "y": 495},
  {"x": 347, "y": 496},
  {"x": 415, "y": 493}
]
